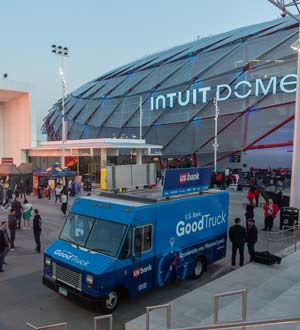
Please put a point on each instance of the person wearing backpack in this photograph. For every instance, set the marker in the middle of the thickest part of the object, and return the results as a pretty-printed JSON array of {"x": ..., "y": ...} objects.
[
  {"x": 37, "y": 229},
  {"x": 12, "y": 225}
]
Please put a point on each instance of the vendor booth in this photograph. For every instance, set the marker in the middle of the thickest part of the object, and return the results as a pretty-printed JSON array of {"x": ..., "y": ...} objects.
[
  {"x": 10, "y": 173},
  {"x": 50, "y": 177}
]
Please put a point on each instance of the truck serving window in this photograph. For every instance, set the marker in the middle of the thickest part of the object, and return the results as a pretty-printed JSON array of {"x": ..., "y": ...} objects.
[
  {"x": 142, "y": 239},
  {"x": 77, "y": 229}
]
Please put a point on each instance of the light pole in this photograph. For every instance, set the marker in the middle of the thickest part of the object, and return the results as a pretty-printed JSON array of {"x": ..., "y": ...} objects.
[
  {"x": 295, "y": 180},
  {"x": 215, "y": 144},
  {"x": 141, "y": 117},
  {"x": 62, "y": 52}
]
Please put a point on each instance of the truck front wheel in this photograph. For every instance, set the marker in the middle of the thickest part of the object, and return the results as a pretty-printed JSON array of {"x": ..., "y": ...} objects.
[
  {"x": 111, "y": 302},
  {"x": 199, "y": 267}
]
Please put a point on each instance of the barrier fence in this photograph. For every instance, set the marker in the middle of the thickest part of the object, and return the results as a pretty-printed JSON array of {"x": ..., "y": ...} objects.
[
  {"x": 57, "y": 326},
  {"x": 167, "y": 307},
  {"x": 99, "y": 319},
  {"x": 288, "y": 232}
]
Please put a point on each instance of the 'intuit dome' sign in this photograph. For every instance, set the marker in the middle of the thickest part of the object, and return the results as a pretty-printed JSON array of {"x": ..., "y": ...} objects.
[{"x": 223, "y": 92}]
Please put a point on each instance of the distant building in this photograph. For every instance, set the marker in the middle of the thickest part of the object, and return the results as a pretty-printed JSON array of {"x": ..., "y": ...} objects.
[
  {"x": 251, "y": 71},
  {"x": 16, "y": 129}
]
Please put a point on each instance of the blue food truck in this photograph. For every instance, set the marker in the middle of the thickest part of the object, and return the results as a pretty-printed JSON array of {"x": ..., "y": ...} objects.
[{"x": 116, "y": 244}]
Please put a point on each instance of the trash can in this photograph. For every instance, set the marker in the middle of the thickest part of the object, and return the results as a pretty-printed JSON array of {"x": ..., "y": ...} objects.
[{"x": 289, "y": 217}]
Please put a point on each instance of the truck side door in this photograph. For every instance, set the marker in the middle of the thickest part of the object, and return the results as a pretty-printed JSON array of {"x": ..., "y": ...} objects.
[{"x": 135, "y": 266}]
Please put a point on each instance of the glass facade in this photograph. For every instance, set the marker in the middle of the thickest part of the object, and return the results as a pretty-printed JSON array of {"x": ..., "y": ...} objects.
[{"x": 251, "y": 71}]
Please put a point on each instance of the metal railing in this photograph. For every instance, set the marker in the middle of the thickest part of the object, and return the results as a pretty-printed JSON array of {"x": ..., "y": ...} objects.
[
  {"x": 242, "y": 292},
  {"x": 168, "y": 315},
  {"x": 101, "y": 318},
  {"x": 63, "y": 325},
  {"x": 243, "y": 324},
  {"x": 281, "y": 234}
]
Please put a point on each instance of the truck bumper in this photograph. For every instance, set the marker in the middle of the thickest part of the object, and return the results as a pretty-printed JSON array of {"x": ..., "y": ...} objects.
[{"x": 70, "y": 292}]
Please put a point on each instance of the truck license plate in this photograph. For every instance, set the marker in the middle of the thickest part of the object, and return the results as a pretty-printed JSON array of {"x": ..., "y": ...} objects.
[{"x": 63, "y": 291}]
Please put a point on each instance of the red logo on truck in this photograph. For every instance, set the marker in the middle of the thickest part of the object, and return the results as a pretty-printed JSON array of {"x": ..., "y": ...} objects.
[
  {"x": 136, "y": 273},
  {"x": 182, "y": 178}
]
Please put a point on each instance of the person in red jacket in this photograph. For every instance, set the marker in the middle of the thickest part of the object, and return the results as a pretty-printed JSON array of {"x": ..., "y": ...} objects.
[
  {"x": 270, "y": 211},
  {"x": 257, "y": 194},
  {"x": 251, "y": 195}
]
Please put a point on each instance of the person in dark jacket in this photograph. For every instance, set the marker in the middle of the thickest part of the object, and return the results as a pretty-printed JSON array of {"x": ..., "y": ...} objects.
[
  {"x": 249, "y": 211},
  {"x": 3, "y": 244},
  {"x": 37, "y": 229},
  {"x": 12, "y": 225},
  {"x": 251, "y": 237},
  {"x": 17, "y": 206},
  {"x": 238, "y": 238}
]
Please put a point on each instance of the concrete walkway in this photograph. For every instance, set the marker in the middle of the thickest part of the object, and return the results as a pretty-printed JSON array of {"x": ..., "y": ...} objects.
[{"x": 272, "y": 292}]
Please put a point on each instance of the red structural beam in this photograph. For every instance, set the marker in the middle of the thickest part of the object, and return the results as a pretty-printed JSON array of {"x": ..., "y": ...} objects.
[
  {"x": 271, "y": 145},
  {"x": 252, "y": 144}
]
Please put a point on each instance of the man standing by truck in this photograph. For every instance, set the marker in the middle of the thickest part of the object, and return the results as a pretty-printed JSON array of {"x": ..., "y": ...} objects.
[{"x": 238, "y": 238}]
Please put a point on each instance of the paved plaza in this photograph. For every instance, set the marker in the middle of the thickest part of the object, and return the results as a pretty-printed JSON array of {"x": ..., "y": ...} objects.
[{"x": 25, "y": 299}]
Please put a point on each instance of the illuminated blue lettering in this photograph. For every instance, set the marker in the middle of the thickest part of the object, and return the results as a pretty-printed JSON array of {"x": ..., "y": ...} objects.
[
  {"x": 259, "y": 84},
  {"x": 242, "y": 96},
  {"x": 284, "y": 83}
]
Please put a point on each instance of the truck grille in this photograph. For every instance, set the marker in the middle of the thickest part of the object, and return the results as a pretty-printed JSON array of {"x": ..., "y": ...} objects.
[{"x": 67, "y": 276}]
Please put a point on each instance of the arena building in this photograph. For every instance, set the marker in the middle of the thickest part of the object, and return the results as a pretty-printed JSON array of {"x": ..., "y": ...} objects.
[{"x": 248, "y": 73}]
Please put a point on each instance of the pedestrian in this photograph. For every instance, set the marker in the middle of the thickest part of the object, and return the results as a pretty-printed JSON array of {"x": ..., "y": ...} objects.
[
  {"x": 3, "y": 244},
  {"x": 6, "y": 235},
  {"x": 12, "y": 225},
  {"x": 22, "y": 188},
  {"x": 270, "y": 212},
  {"x": 27, "y": 209},
  {"x": 1, "y": 193},
  {"x": 57, "y": 193},
  {"x": 37, "y": 229},
  {"x": 257, "y": 194},
  {"x": 249, "y": 211},
  {"x": 17, "y": 206},
  {"x": 9, "y": 199},
  {"x": 49, "y": 192},
  {"x": 251, "y": 195},
  {"x": 64, "y": 203},
  {"x": 251, "y": 237},
  {"x": 238, "y": 238},
  {"x": 278, "y": 198}
]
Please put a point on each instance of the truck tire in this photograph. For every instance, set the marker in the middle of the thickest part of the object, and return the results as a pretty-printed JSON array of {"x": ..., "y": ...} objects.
[
  {"x": 111, "y": 301},
  {"x": 199, "y": 267}
]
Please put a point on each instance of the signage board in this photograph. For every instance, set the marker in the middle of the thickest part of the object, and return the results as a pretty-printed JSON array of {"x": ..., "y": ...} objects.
[
  {"x": 186, "y": 180},
  {"x": 7, "y": 160}
]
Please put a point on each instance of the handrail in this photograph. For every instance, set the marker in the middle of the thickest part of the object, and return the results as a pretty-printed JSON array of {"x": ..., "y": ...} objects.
[
  {"x": 242, "y": 292},
  {"x": 104, "y": 317},
  {"x": 151, "y": 308},
  {"x": 233, "y": 325},
  {"x": 282, "y": 232},
  {"x": 51, "y": 326}
]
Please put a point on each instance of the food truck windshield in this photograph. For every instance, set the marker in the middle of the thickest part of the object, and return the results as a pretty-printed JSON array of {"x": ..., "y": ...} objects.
[{"x": 94, "y": 234}]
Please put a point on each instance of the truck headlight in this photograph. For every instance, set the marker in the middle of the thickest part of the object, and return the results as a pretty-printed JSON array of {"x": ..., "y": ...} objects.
[
  {"x": 89, "y": 279},
  {"x": 47, "y": 261}
]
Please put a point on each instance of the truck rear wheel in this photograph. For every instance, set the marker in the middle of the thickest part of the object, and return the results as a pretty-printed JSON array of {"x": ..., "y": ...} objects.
[
  {"x": 199, "y": 267},
  {"x": 111, "y": 302}
]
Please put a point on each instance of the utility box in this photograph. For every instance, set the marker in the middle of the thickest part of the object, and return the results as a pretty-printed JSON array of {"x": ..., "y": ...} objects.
[
  {"x": 130, "y": 176},
  {"x": 289, "y": 217}
]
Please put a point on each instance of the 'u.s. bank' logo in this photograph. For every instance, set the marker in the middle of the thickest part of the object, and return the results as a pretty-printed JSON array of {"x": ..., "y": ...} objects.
[{"x": 184, "y": 177}]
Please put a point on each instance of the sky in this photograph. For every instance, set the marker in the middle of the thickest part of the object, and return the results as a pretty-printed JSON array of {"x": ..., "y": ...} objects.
[{"x": 103, "y": 35}]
